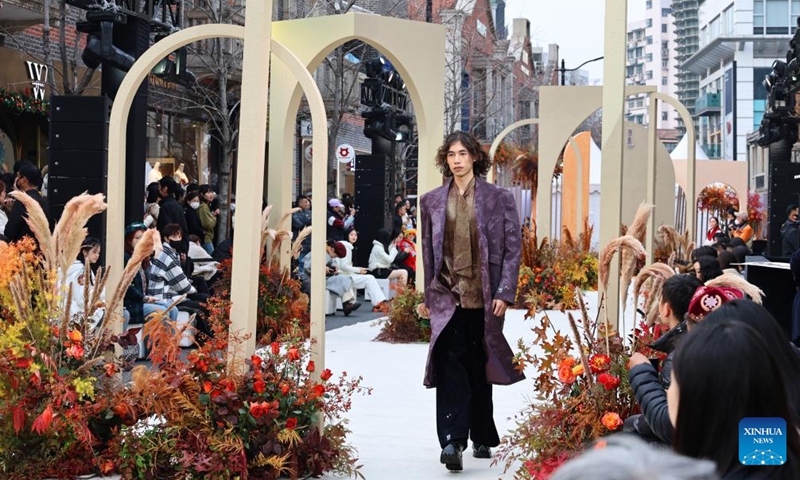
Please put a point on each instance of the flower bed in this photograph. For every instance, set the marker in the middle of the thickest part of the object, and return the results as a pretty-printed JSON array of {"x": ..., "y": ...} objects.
[{"x": 405, "y": 322}]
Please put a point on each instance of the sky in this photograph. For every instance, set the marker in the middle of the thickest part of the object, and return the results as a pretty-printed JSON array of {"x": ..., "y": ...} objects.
[{"x": 575, "y": 25}]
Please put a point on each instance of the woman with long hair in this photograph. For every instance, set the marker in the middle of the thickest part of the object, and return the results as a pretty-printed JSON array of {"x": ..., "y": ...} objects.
[
  {"x": 76, "y": 278},
  {"x": 384, "y": 253},
  {"x": 764, "y": 323},
  {"x": 208, "y": 217},
  {"x": 725, "y": 371},
  {"x": 713, "y": 229}
]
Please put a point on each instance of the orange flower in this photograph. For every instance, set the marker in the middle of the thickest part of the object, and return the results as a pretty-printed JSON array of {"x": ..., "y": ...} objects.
[
  {"x": 611, "y": 421},
  {"x": 599, "y": 363},
  {"x": 577, "y": 370},
  {"x": 207, "y": 386},
  {"x": 565, "y": 374},
  {"x": 75, "y": 351},
  {"x": 569, "y": 362},
  {"x": 326, "y": 374},
  {"x": 256, "y": 361},
  {"x": 318, "y": 390},
  {"x": 110, "y": 369},
  {"x": 285, "y": 389},
  {"x": 75, "y": 335},
  {"x": 293, "y": 354}
]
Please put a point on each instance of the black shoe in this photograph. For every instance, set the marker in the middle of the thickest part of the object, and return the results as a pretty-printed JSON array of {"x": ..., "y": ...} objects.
[
  {"x": 481, "y": 451},
  {"x": 451, "y": 457},
  {"x": 350, "y": 307}
]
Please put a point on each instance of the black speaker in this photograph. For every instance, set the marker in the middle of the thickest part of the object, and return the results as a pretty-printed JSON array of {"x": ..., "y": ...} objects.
[
  {"x": 79, "y": 109},
  {"x": 78, "y": 136},
  {"x": 784, "y": 190},
  {"x": 373, "y": 185},
  {"x": 79, "y": 163},
  {"x": 61, "y": 189}
]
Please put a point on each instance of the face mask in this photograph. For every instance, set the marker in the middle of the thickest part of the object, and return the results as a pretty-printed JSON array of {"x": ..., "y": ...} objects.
[
  {"x": 176, "y": 244},
  {"x": 194, "y": 205}
]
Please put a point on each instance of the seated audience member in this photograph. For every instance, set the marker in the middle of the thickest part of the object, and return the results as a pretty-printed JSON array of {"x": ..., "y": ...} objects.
[
  {"x": 725, "y": 371},
  {"x": 76, "y": 278},
  {"x": 648, "y": 385},
  {"x": 361, "y": 278},
  {"x": 340, "y": 285},
  {"x": 28, "y": 179},
  {"x": 3, "y": 216},
  {"x": 140, "y": 306},
  {"x": 191, "y": 205},
  {"x": 204, "y": 265},
  {"x": 758, "y": 317},
  {"x": 167, "y": 280},
  {"x": 624, "y": 457},
  {"x": 384, "y": 253},
  {"x": 707, "y": 268},
  {"x": 723, "y": 243},
  {"x": 703, "y": 251},
  {"x": 406, "y": 244},
  {"x": 726, "y": 260}
]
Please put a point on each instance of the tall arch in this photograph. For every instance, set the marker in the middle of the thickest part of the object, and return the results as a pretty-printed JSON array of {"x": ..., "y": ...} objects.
[
  {"x": 243, "y": 318},
  {"x": 401, "y": 41}
]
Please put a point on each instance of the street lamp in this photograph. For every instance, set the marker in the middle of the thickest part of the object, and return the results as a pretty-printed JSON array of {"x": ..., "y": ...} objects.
[{"x": 564, "y": 69}]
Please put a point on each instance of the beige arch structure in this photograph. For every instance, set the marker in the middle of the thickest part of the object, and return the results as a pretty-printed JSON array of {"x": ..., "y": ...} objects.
[
  {"x": 251, "y": 155},
  {"x": 413, "y": 49},
  {"x": 578, "y": 156}
]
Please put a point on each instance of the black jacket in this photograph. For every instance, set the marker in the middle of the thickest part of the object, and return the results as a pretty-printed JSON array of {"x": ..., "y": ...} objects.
[
  {"x": 193, "y": 222},
  {"x": 301, "y": 220},
  {"x": 650, "y": 388},
  {"x": 170, "y": 211},
  {"x": 17, "y": 227},
  {"x": 790, "y": 238}
]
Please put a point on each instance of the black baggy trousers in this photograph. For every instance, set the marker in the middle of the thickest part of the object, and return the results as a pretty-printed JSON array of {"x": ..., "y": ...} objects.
[{"x": 463, "y": 396}]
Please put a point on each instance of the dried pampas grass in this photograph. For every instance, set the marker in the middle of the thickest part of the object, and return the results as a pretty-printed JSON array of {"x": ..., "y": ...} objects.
[
  {"x": 626, "y": 242},
  {"x": 143, "y": 250},
  {"x": 39, "y": 225},
  {"x": 70, "y": 231},
  {"x": 733, "y": 280},
  {"x": 638, "y": 228},
  {"x": 654, "y": 271},
  {"x": 297, "y": 245}
]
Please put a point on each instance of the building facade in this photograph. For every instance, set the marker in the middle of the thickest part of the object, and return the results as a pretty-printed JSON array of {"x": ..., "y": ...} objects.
[
  {"x": 739, "y": 41},
  {"x": 650, "y": 61},
  {"x": 687, "y": 41}
]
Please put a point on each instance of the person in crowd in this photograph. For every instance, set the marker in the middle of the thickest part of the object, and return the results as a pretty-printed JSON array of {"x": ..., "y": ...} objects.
[
  {"x": 170, "y": 211},
  {"x": 340, "y": 285},
  {"x": 471, "y": 254},
  {"x": 648, "y": 385},
  {"x": 3, "y": 216},
  {"x": 405, "y": 243},
  {"x": 203, "y": 264},
  {"x": 409, "y": 222},
  {"x": 758, "y": 317},
  {"x": 742, "y": 229},
  {"x": 166, "y": 279},
  {"x": 349, "y": 204},
  {"x": 790, "y": 231},
  {"x": 722, "y": 373},
  {"x": 730, "y": 221},
  {"x": 713, "y": 229},
  {"x": 208, "y": 217},
  {"x": 338, "y": 222},
  {"x": 624, "y": 457},
  {"x": 384, "y": 253},
  {"x": 28, "y": 179},
  {"x": 723, "y": 243},
  {"x": 707, "y": 268},
  {"x": 398, "y": 219},
  {"x": 741, "y": 254},
  {"x": 361, "y": 277},
  {"x": 190, "y": 208},
  {"x": 300, "y": 220},
  {"x": 76, "y": 279},
  {"x": 397, "y": 199},
  {"x": 152, "y": 208},
  {"x": 726, "y": 260},
  {"x": 703, "y": 251},
  {"x": 794, "y": 266},
  {"x": 140, "y": 306}
]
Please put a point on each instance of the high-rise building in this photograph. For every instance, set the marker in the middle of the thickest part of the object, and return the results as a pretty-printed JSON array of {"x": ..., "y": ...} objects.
[
  {"x": 650, "y": 62},
  {"x": 687, "y": 40}
]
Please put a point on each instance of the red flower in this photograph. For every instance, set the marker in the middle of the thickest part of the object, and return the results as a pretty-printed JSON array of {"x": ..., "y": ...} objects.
[
  {"x": 319, "y": 390},
  {"x": 75, "y": 351},
  {"x": 259, "y": 386},
  {"x": 230, "y": 385},
  {"x": 207, "y": 386},
  {"x": 256, "y": 361},
  {"x": 291, "y": 423},
  {"x": 310, "y": 367},
  {"x": 276, "y": 348},
  {"x": 326, "y": 374},
  {"x": 293, "y": 354},
  {"x": 609, "y": 381},
  {"x": 285, "y": 389},
  {"x": 258, "y": 409},
  {"x": 611, "y": 421},
  {"x": 599, "y": 363},
  {"x": 110, "y": 369}
]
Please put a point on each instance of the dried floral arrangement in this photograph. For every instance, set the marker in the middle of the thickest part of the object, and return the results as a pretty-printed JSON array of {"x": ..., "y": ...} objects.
[
  {"x": 550, "y": 271},
  {"x": 405, "y": 323},
  {"x": 62, "y": 398},
  {"x": 280, "y": 301}
]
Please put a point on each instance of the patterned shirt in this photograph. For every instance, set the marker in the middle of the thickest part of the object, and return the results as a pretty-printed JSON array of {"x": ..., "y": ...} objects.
[
  {"x": 166, "y": 279},
  {"x": 461, "y": 240}
]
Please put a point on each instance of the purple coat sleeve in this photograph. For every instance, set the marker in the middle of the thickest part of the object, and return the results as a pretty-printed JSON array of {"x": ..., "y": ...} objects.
[
  {"x": 512, "y": 251},
  {"x": 427, "y": 247}
]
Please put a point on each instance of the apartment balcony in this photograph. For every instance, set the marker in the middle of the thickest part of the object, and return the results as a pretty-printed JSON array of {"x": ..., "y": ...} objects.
[
  {"x": 713, "y": 150},
  {"x": 20, "y": 13},
  {"x": 723, "y": 48},
  {"x": 708, "y": 104}
]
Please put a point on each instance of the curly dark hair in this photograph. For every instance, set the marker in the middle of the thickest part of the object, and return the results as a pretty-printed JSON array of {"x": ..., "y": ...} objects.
[{"x": 482, "y": 162}]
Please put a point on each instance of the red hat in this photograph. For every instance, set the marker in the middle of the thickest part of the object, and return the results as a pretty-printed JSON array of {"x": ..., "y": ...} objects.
[
  {"x": 708, "y": 299},
  {"x": 339, "y": 250}
]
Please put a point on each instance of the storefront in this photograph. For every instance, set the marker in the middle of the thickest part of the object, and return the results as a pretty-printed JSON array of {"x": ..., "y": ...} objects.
[{"x": 24, "y": 110}]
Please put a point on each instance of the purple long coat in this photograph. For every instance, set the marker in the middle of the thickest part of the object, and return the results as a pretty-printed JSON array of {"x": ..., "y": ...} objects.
[{"x": 499, "y": 243}]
